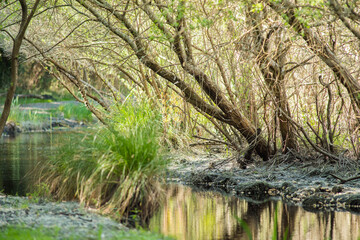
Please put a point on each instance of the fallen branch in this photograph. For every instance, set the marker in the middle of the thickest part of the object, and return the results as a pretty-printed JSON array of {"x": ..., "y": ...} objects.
[
  {"x": 214, "y": 165},
  {"x": 342, "y": 180}
]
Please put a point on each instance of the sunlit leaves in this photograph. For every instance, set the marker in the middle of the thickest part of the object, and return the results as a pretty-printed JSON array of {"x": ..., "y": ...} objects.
[{"x": 258, "y": 7}]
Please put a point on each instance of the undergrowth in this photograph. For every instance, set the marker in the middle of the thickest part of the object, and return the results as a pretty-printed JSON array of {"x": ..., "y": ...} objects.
[
  {"x": 17, "y": 115},
  {"x": 117, "y": 168}
]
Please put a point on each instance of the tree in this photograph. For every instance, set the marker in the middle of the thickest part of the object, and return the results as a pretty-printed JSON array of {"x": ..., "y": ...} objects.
[
  {"x": 17, "y": 42},
  {"x": 187, "y": 76},
  {"x": 270, "y": 56},
  {"x": 320, "y": 48}
]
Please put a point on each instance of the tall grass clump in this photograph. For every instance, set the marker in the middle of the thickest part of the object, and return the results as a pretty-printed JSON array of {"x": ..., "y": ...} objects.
[{"x": 116, "y": 169}]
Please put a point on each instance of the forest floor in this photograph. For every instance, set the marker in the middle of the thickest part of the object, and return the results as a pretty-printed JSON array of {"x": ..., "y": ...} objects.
[{"x": 310, "y": 182}]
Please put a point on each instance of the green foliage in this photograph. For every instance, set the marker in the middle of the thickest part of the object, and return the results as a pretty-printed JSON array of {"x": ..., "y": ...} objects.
[
  {"x": 116, "y": 168},
  {"x": 134, "y": 138},
  {"x": 19, "y": 233},
  {"x": 74, "y": 111},
  {"x": 245, "y": 227},
  {"x": 258, "y": 7},
  {"x": 41, "y": 190},
  {"x": 78, "y": 112},
  {"x": 18, "y": 115}
]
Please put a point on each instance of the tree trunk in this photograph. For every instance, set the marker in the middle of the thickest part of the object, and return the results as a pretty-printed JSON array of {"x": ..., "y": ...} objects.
[
  {"x": 271, "y": 65},
  {"x": 25, "y": 20}
]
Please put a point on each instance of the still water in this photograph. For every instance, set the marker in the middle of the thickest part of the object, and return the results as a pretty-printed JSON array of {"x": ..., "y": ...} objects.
[
  {"x": 188, "y": 213},
  {"x": 191, "y": 214},
  {"x": 19, "y": 155}
]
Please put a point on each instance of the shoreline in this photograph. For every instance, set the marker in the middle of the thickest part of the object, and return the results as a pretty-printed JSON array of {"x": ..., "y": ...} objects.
[{"x": 309, "y": 184}]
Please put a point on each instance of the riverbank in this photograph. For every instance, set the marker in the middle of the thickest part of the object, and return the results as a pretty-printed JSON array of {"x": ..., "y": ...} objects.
[
  {"x": 313, "y": 184},
  {"x": 41, "y": 219}
]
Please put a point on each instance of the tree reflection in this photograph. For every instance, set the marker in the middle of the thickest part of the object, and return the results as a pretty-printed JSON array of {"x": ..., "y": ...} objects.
[{"x": 193, "y": 214}]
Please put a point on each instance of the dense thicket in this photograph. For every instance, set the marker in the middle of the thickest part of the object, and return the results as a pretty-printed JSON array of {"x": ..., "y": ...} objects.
[{"x": 264, "y": 75}]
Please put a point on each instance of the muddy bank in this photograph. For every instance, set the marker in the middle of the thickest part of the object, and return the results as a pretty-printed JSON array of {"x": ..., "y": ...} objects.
[
  {"x": 69, "y": 218},
  {"x": 310, "y": 184}
]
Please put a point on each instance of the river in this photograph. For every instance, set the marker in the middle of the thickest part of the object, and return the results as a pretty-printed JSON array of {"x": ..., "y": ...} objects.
[{"x": 189, "y": 213}]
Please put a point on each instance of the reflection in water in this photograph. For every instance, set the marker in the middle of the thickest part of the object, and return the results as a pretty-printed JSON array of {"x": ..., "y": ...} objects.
[
  {"x": 20, "y": 154},
  {"x": 187, "y": 214}
]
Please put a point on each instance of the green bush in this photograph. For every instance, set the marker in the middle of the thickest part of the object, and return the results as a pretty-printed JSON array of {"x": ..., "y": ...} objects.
[{"x": 117, "y": 168}]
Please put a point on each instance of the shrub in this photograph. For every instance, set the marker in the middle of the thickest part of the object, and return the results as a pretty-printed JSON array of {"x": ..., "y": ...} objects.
[{"x": 116, "y": 169}]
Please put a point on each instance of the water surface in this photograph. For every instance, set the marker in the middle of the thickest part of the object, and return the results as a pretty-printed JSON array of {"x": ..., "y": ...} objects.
[
  {"x": 190, "y": 214},
  {"x": 19, "y": 155}
]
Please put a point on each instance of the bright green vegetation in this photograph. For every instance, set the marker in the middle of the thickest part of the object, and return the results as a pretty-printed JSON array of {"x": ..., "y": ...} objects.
[
  {"x": 26, "y": 233},
  {"x": 20, "y": 233},
  {"x": 78, "y": 112},
  {"x": 117, "y": 168},
  {"x": 26, "y": 100},
  {"x": 36, "y": 116}
]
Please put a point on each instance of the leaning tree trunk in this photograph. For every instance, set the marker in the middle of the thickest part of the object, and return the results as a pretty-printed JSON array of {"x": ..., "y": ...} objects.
[{"x": 25, "y": 20}]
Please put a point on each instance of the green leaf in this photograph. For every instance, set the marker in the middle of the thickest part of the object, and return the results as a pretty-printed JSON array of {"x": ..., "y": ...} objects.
[{"x": 258, "y": 7}]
